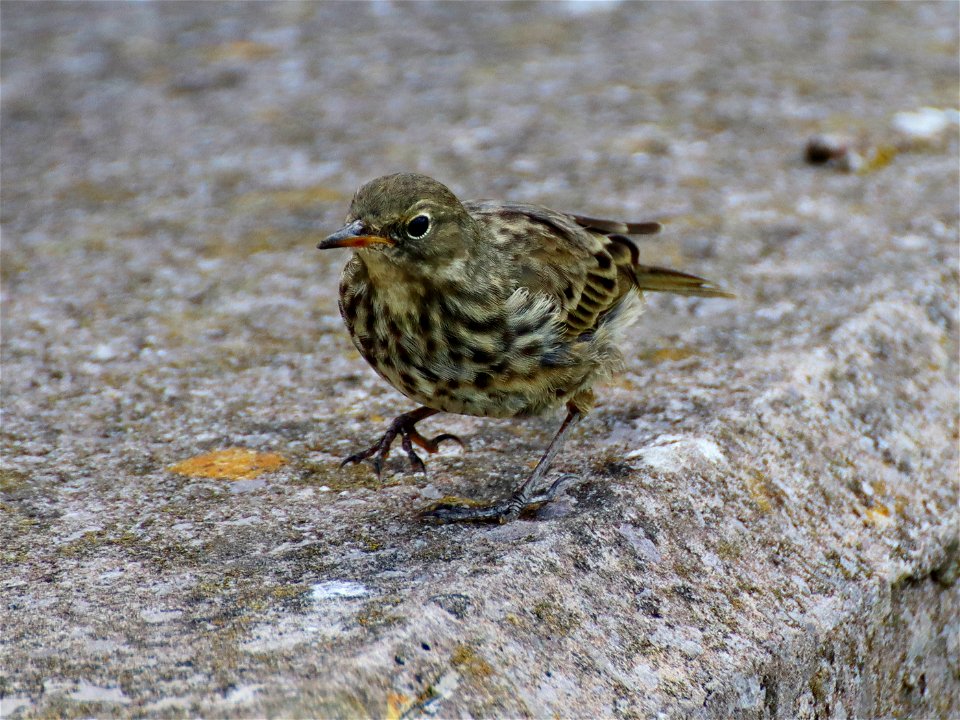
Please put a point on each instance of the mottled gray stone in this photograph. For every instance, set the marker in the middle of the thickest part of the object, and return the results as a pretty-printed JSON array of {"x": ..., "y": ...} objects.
[{"x": 765, "y": 520}]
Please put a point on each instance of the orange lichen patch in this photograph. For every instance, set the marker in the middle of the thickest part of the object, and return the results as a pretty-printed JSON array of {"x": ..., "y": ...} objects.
[
  {"x": 878, "y": 514},
  {"x": 469, "y": 662},
  {"x": 229, "y": 464},
  {"x": 397, "y": 705},
  {"x": 879, "y": 158},
  {"x": 240, "y": 50},
  {"x": 758, "y": 486}
]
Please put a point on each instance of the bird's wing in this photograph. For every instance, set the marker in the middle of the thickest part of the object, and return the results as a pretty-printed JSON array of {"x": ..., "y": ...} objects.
[
  {"x": 583, "y": 271},
  {"x": 585, "y": 265},
  {"x": 648, "y": 277}
]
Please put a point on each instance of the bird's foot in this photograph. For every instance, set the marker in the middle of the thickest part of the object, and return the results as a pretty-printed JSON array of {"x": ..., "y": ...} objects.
[
  {"x": 454, "y": 509},
  {"x": 432, "y": 445},
  {"x": 404, "y": 426}
]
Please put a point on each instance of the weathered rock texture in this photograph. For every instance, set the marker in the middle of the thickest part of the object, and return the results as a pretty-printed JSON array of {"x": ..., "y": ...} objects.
[{"x": 765, "y": 521}]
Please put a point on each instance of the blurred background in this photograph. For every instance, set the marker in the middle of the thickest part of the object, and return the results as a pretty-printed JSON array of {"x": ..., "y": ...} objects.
[{"x": 193, "y": 152}]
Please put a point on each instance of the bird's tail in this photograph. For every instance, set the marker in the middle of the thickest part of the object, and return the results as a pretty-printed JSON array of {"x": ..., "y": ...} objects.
[{"x": 658, "y": 279}]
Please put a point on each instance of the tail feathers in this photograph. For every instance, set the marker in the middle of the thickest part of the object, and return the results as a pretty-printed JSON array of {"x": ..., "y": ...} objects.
[
  {"x": 608, "y": 227},
  {"x": 658, "y": 279},
  {"x": 643, "y": 228}
]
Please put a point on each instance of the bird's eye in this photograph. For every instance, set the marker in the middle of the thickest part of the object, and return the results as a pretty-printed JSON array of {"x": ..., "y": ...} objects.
[{"x": 418, "y": 226}]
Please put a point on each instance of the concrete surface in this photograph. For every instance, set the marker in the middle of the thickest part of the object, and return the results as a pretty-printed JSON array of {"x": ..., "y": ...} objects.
[{"x": 765, "y": 520}]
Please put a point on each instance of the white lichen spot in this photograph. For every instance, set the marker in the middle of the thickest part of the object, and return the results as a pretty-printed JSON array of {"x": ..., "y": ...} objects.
[
  {"x": 925, "y": 123},
  {"x": 337, "y": 590},
  {"x": 671, "y": 453},
  {"x": 243, "y": 694},
  {"x": 103, "y": 352},
  {"x": 159, "y": 617},
  {"x": 85, "y": 692}
]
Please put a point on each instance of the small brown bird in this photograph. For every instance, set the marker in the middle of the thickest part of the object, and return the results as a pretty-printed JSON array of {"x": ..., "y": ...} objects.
[{"x": 488, "y": 308}]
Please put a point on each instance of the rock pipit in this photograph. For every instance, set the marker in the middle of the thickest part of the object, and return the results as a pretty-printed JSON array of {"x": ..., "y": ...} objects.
[{"x": 489, "y": 308}]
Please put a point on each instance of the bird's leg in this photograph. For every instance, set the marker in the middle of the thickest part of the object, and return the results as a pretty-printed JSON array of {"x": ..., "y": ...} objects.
[
  {"x": 404, "y": 426},
  {"x": 523, "y": 499}
]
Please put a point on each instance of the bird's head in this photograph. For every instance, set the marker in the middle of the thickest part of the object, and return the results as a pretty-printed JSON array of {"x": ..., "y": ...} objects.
[{"x": 405, "y": 219}]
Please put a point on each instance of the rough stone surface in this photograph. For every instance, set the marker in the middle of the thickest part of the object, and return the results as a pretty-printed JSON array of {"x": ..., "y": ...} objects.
[{"x": 765, "y": 520}]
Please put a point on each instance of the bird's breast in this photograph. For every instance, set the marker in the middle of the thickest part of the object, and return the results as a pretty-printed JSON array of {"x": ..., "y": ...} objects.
[{"x": 464, "y": 353}]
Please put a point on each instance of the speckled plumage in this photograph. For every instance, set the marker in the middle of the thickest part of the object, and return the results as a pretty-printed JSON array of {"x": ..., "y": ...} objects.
[{"x": 498, "y": 309}]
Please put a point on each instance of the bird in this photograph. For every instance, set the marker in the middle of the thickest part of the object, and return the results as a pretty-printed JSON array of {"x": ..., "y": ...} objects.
[{"x": 491, "y": 309}]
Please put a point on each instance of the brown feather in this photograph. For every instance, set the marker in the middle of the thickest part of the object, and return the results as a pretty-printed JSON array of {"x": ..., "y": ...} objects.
[
  {"x": 608, "y": 227},
  {"x": 659, "y": 279},
  {"x": 585, "y": 264}
]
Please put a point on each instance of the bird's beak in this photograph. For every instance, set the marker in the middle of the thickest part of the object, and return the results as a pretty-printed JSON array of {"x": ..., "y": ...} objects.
[{"x": 353, "y": 235}]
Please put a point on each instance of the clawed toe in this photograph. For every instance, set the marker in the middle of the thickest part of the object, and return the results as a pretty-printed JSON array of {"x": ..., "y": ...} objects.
[
  {"x": 404, "y": 426},
  {"x": 525, "y": 499},
  {"x": 376, "y": 454},
  {"x": 451, "y": 510},
  {"x": 358, "y": 457},
  {"x": 432, "y": 445},
  {"x": 544, "y": 496},
  {"x": 416, "y": 464}
]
